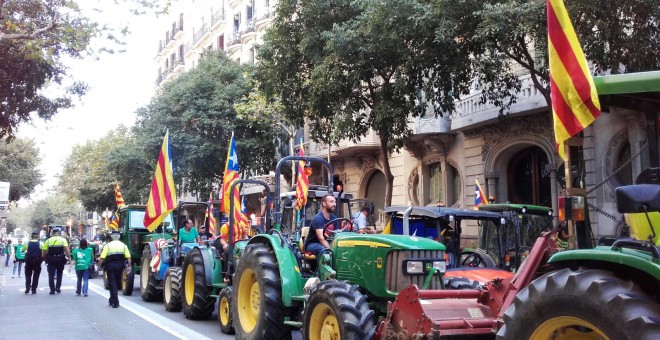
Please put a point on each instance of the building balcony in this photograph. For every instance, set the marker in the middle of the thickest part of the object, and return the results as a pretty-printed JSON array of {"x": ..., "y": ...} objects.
[
  {"x": 234, "y": 3},
  {"x": 471, "y": 112},
  {"x": 201, "y": 33},
  {"x": 235, "y": 42},
  {"x": 178, "y": 33},
  {"x": 217, "y": 19},
  {"x": 264, "y": 20},
  {"x": 346, "y": 147}
]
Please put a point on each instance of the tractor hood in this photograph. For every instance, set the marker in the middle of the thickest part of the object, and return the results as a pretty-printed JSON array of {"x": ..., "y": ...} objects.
[{"x": 345, "y": 240}]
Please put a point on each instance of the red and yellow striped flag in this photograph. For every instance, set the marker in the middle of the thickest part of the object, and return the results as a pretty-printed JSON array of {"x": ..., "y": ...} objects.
[
  {"x": 302, "y": 187},
  {"x": 575, "y": 102},
  {"x": 162, "y": 198},
  {"x": 240, "y": 220},
  {"x": 119, "y": 199},
  {"x": 210, "y": 217}
]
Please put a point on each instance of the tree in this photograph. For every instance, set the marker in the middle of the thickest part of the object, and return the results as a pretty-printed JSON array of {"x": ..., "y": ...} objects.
[
  {"x": 35, "y": 37},
  {"x": 87, "y": 175},
  {"x": 19, "y": 165},
  {"x": 351, "y": 66},
  {"x": 198, "y": 109},
  {"x": 512, "y": 35}
]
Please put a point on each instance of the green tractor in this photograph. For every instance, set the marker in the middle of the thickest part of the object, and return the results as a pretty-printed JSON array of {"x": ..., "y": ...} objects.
[
  {"x": 207, "y": 273},
  {"x": 278, "y": 286},
  {"x": 509, "y": 244},
  {"x": 137, "y": 238}
]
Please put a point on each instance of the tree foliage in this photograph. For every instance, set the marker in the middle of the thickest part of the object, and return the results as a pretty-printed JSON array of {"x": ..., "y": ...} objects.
[
  {"x": 351, "y": 66},
  {"x": 19, "y": 165}
]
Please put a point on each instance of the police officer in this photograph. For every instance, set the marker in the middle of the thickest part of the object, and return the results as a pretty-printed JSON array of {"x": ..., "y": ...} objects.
[
  {"x": 33, "y": 258},
  {"x": 57, "y": 254},
  {"x": 114, "y": 257}
]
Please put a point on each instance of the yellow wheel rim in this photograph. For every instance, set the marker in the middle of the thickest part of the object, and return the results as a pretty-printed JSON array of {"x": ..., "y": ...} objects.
[
  {"x": 224, "y": 311},
  {"x": 568, "y": 327},
  {"x": 323, "y": 324},
  {"x": 123, "y": 280},
  {"x": 144, "y": 274},
  {"x": 249, "y": 300},
  {"x": 167, "y": 290},
  {"x": 190, "y": 284}
]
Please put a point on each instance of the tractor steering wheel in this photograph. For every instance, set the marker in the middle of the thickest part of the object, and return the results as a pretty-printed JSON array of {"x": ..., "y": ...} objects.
[{"x": 329, "y": 233}]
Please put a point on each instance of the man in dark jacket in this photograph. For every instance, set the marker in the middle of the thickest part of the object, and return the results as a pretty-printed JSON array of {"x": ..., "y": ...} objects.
[{"x": 33, "y": 260}]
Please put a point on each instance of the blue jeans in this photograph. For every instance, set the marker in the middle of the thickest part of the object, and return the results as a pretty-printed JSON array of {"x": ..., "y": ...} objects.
[
  {"x": 315, "y": 248},
  {"x": 18, "y": 264},
  {"x": 7, "y": 256},
  {"x": 83, "y": 277}
]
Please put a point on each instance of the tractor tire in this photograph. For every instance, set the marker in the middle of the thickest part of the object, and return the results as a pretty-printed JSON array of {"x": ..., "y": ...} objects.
[
  {"x": 224, "y": 311},
  {"x": 578, "y": 304},
  {"x": 476, "y": 258},
  {"x": 257, "y": 297},
  {"x": 337, "y": 310},
  {"x": 106, "y": 282},
  {"x": 127, "y": 282},
  {"x": 172, "y": 289},
  {"x": 197, "y": 301},
  {"x": 150, "y": 289}
]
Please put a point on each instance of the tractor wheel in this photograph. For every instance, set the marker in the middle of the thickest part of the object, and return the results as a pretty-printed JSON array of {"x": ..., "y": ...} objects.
[
  {"x": 224, "y": 311},
  {"x": 127, "y": 281},
  {"x": 337, "y": 310},
  {"x": 106, "y": 282},
  {"x": 172, "y": 289},
  {"x": 582, "y": 304},
  {"x": 476, "y": 258},
  {"x": 257, "y": 298},
  {"x": 197, "y": 301},
  {"x": 149, "y": 287}
]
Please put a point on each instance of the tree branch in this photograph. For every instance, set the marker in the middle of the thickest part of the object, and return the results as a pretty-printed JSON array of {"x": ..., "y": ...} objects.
[{"x": 28, "y": 36}]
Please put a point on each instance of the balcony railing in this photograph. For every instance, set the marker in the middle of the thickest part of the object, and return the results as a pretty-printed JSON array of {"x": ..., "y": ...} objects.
[
  {"x": 217, "y": 17},
  {"x": 235, "y": 39},
  {"x": 263, "y": 19},
  {"x": 200, "y": 34}
]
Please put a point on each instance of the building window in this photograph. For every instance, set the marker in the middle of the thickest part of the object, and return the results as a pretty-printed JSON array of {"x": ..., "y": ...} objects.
[
  {"x": 441, "y": 182},
  {"x": 167, "y": 37},
  {"x": 173, "y": 29},
  {"x": 436, "y": 183},
  {"x": 251, "y": 56},
  {"x": 181, "y": 22},
  {"x": 625, "y": 176},
  {"x": 181, "y": 53},
  {"x": 249, "y": 12},
  {"x": 237, "y": 22},
  {"x": 528, "y": 177}
]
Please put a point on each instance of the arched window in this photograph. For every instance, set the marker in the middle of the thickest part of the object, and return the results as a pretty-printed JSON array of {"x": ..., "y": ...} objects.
[
  {"x": 444, "y": 184},
  {"x": 528, "y": 177},
  {"x": 376, "y": 189}
]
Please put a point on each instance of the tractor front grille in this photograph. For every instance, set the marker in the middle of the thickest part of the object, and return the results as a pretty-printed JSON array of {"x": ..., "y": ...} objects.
[{"x": 396, "y": 280}]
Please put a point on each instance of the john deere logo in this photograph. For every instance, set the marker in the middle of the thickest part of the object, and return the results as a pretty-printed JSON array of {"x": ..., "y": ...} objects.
[{"x": 429, "y": 266}]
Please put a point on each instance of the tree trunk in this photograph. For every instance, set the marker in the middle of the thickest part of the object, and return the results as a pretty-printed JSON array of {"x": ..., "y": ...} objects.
[{"x": 384, "y": 153}]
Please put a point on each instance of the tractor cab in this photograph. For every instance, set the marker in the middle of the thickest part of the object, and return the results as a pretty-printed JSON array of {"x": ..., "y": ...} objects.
[{"x": 509, "y": 244}]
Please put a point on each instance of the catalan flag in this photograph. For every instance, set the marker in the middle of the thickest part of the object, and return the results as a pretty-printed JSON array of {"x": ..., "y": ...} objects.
[
  {"x": 302, "y": 187},
  {"x": 114, "y": 222},
  {"x": 479, "y": 195},
  {"x": 575, "y": 102},
  {"x": 119, "y": 199},
  {"x": 162, "y": 198},
  {"x": 209, "y": 215},
  {"x": 240, "y": 220},
  {"x": 230, "y": 174}
]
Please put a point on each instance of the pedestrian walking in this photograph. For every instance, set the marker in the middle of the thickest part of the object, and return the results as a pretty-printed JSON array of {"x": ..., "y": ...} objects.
[
  {"x": 114, "y": 257},
  {"x": 82, "y": 257},
  {"x": 57, "y": 254},
  {"x": 8, "y": 252},
  {"x": 19, "y": 258},
  {"x": 33, "y": 258}
]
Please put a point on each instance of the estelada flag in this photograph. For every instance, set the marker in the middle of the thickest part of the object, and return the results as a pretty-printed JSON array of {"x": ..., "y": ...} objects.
[
  {"x": 302, "y": 187},
  {"x": 119, "y": 199},
  {"x": 479, "y": 195},
  {"x": 209, "y": 215},
  {"x": 575, "y": 102},
  {"x": 162, "y": 198},
  {"x": 114, "y": 222},
  {"x": 230, "y": 174}
]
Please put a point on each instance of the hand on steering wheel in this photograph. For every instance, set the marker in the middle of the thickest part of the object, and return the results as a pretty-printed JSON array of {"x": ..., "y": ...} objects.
[{"x": 329, "y": 231}]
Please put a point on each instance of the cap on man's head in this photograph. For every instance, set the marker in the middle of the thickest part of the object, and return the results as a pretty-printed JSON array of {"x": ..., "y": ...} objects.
[
  {"x": 115, "y": 232},
  {"x": 57, "y": 230},
  {"x": 35, "y": 233}
]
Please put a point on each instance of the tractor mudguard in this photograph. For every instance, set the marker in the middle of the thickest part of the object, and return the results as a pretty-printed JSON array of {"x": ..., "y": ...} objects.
[
  {"x": 208, "y": 262},
  {"x": 613, "y": 256},
  {"x": 292, "y": 282}
]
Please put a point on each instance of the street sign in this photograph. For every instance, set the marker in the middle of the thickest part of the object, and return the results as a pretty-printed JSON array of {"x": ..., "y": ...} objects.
[
  {"x": 4, "y": 192},
  {"x": 3, "y": 211}
]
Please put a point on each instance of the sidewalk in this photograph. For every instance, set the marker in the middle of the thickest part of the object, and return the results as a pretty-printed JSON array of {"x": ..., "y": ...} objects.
[{"x": 65, "y": 315}]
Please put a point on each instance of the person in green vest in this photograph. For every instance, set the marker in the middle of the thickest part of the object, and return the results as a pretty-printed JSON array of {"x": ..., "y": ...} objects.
[
  {"x": 82, "y": 257},
  {"x": 19, "y": 258},
  {"x": 8, "y": 252}
]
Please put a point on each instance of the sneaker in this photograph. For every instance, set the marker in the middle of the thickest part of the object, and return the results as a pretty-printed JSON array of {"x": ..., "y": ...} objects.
[
  {"x": 34, "y": 292},
  {"x": 12, "y": 276},
  {"x": 27, "y": 291},
  {"x": 77, "y": 294},
  {"x": 51, "y": 293},
  {"x": 85, "y": 295},
  {"x": 58, "y": 291},
  {"x": 115, "y": 305}
]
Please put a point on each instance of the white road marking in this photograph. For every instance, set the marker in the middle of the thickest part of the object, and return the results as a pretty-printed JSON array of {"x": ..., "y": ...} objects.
[{"x": 176, "y": 329}]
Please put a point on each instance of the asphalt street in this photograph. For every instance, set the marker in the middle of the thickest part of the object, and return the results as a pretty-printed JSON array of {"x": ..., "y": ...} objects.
[{"x": 67, "y": 316}]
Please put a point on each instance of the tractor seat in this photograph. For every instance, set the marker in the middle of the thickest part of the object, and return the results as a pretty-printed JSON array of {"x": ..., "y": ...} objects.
[{"x": 306, "y": 255}]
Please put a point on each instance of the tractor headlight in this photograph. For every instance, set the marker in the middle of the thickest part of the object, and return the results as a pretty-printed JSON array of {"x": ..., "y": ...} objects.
[
  {"x": 415, "y": 267},
  {"x": 441, "y": 266}
]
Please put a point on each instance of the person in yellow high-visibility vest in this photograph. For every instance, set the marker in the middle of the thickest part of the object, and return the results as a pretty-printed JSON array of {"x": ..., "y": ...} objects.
[
  {"x": 116, "y": 258},
  {"x": 57, "y": 254}
]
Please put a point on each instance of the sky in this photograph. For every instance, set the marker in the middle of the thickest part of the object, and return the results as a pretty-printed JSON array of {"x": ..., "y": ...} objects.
[{"x": 118, "y": 84}]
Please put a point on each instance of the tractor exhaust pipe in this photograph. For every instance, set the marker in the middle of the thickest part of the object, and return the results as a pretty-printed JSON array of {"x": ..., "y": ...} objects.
[{"x": 406, "y": 221}]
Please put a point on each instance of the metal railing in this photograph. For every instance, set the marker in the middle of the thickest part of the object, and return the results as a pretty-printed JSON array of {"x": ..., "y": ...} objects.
[
  {"x": 200, "y": 34},
  {"x": 217, "y": 16}
]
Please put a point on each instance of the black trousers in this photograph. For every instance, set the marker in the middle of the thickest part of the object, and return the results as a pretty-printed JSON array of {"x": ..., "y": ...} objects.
[
  {"x": 52, "y": 269},
  {"x": 114, "y": 280},
  {"x": 32, "y": 272}
]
